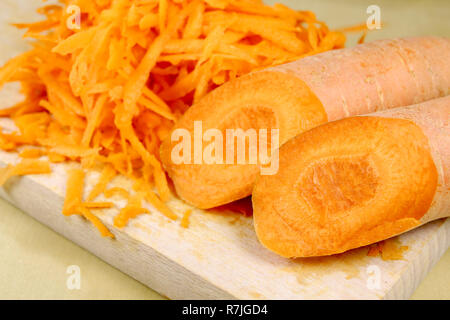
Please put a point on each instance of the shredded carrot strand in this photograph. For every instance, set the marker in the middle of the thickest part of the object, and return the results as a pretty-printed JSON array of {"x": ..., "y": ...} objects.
[
  {"x": 24, "y": 168},
  {"x": 31, "y": 153},
  {"x": 74, "y": 191},
  {"x": 185, "y": 222},
  {"x": 132, "y": 210},
  {"x": 106, "y": 176},
  {"x": 98, "y": 205},
  {"x": 96, "y": 222},
  {"x": 116, "y": 191}
]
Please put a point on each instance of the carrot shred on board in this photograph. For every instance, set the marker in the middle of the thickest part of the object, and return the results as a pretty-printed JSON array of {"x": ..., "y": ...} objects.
[
  {"x": 185, "y": 222},
  {"x": 116, "y": 191},
  {"x": 107, "y": 93},
  {"x": 152, "y": 198},
  {"x": 85, "y": 212},
  {"x": 56, "y": 158},
  {"x": 73, "y": 203},
  {"x": 31, "y": 153},
  {"x": 106, "y": 176},
  {"x": 74, "y": 191},
  {"x": 31, "y": 166},
  {"x": 24, "y": 168},
  {"x": 98, "y": 205},
  {"x": 127, "y": 213},
  {"x": 132, "y": 210}
]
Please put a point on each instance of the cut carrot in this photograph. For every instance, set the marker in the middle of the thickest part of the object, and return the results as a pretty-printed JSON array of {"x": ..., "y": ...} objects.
[
  {"x": 111, "y": 91},
  {"x": 301, "y": 95},
  {"x": 357, "y": 181}
]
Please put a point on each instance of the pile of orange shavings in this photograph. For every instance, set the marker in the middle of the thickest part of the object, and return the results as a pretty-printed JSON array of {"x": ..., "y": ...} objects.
[{"x": 107, "y": 93}]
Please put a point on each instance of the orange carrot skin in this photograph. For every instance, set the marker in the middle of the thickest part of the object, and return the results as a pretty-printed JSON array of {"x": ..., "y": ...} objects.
[{"x": 376, "y": 76}]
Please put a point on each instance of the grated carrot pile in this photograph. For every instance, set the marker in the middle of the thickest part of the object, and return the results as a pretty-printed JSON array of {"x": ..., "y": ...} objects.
[{"x": 107, "y": 93}]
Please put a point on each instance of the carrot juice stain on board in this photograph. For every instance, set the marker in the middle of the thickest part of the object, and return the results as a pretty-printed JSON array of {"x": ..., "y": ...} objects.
[
  {"x": 388, "y": 250},
  {"x": 307, "y": 270},
  {"x": 235, "y": 212},
  {"x": 256, "y": 295},
  {"x": 351, "y": 263}
]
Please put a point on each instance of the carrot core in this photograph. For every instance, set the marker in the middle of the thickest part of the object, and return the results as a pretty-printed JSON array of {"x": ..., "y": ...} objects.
[{"x": 337, "y": 185}]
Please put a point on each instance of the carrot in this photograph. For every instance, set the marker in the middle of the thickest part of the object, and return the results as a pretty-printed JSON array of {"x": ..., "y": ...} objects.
[
  {"x": 151, "y": 198},
  {"x": 116, "y": 191},
  {"x": 301, "y": 95},
  {"x": 133, "y": 209},
  {"x": 110, "y": 92},
  {"x": 357, "y": 181},
  {"x": 31, "y": 153},
  {"x": 98, "y": 205},
  {"x": 185, "y": 222},
  {"x": 74, "y": 205},
  {"x": 56, "y": 158},
  {"x": 23, "y": 168},
  {"x": 106, "y": 176},
  {"x": 86, "y": 213},
  {"x": 74, "y": 191}
]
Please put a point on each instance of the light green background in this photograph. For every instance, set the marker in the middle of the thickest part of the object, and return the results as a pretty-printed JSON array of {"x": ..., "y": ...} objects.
[{"x": 34, "y": 259}]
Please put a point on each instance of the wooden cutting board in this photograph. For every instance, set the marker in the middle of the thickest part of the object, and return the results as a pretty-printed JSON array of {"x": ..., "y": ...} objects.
[{"x": 218, "y": 256}]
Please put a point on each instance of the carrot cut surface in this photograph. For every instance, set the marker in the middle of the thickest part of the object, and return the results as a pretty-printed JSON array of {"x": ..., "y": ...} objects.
[
  {"x": 344, "y": 191},
  {"x": 357, "y": 181}
]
